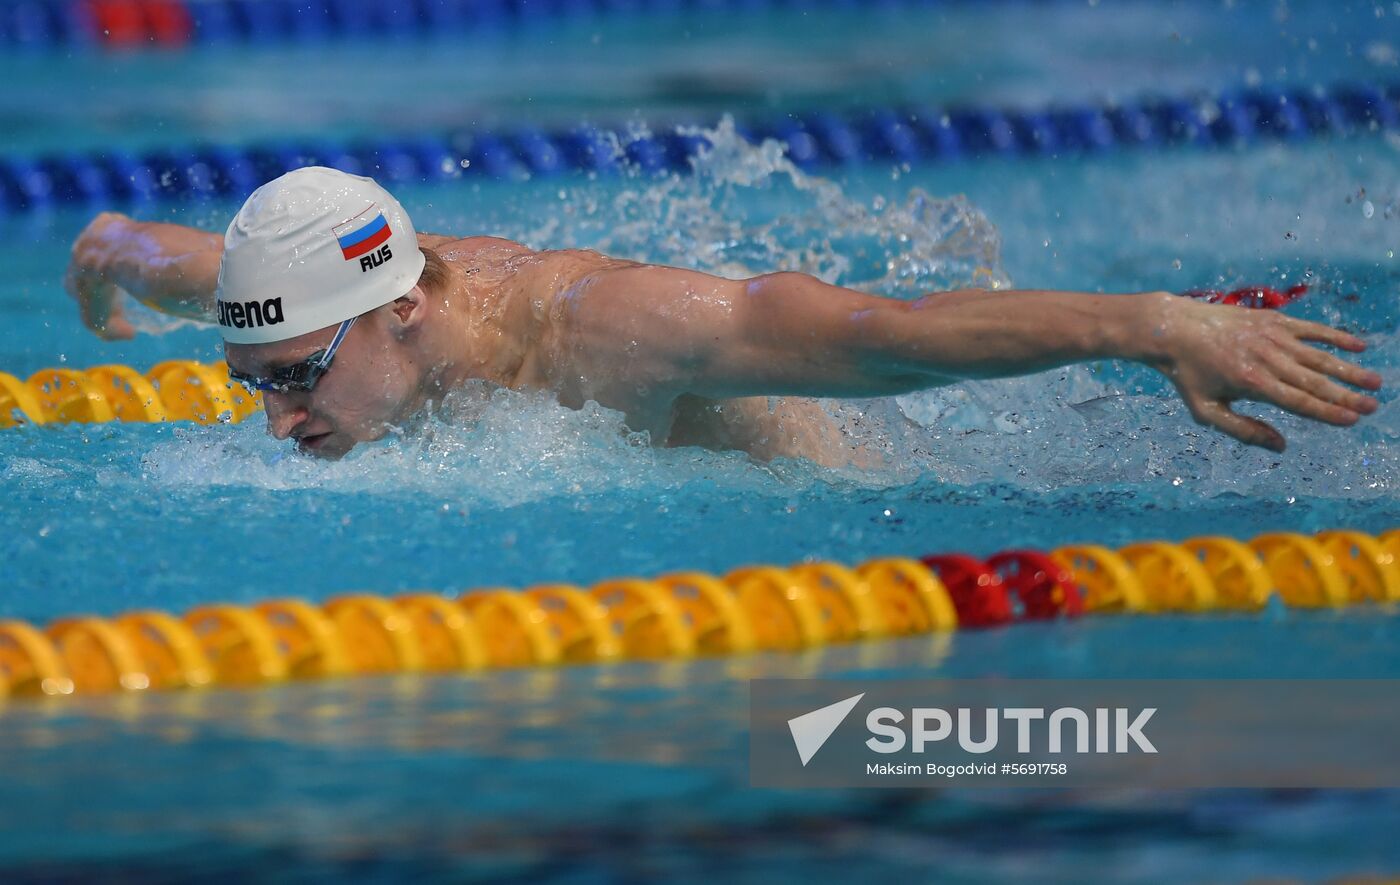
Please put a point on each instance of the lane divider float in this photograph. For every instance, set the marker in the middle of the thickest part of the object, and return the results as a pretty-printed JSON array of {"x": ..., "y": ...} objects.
[
  {"x": 912, "y": 134},
  {"x": 684, "y": 614},
  {"x": 132, "y": 24},
  {"x": 175, "y": 390}
]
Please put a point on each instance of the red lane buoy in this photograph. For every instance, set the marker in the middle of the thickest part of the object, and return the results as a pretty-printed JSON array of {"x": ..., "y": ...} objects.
[
  {"x": 976, "y": 589},
  {"x": 1258, "y": 297},
  {"x": 119, "y": 22},
  {"x": 1045, "y": 589},
  {"x": 169, "y": 21}
]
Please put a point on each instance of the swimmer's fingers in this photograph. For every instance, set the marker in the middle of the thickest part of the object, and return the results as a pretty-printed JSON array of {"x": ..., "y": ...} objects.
[
  {"x": 1300, "y": 402},
  {"x": 1251, "y": 431},
  {"x": 107, "y": 320},
  {"x": 1292, "y": 371},
  {"x": 99, "y": 300},
  {"x": 1321, "y": 361},
  {"x": 99, "y": 304},
  {"x": 1310, "y": 331}
]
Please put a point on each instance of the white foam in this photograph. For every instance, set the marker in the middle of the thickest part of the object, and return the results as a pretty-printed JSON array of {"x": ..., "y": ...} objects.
[{"x": 484, "y": 446}]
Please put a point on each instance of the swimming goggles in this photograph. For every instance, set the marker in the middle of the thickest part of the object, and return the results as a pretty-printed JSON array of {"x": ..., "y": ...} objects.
[{"x": 301, "y": 376}]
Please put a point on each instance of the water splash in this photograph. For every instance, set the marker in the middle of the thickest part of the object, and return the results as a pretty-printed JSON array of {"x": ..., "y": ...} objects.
[
  {"x": 483, "y": 446},
  {"x": 148, "y": 321},
  {"x": 746, "y": 209}
]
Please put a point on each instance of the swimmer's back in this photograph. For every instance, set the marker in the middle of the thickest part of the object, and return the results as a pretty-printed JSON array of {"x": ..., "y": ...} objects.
[{"x": 765, "y": 427}]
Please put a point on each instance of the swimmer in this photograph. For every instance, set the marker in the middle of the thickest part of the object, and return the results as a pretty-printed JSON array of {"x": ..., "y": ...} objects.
[{"x": 349, "y": 322}]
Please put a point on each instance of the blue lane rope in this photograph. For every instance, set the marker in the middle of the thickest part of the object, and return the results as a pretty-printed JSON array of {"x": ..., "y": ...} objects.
[
  {"x": 61, "y": 24},
  {"x": 814, "y": 140}
]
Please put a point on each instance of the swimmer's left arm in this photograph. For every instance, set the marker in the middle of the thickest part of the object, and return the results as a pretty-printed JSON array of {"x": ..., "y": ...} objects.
[
  {"x": 1213, "y": 354},
  {"x": 790, "y": 333}
]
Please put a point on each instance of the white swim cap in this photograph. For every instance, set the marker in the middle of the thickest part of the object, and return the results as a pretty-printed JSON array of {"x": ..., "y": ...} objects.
[{"x": 310, "y": 249}]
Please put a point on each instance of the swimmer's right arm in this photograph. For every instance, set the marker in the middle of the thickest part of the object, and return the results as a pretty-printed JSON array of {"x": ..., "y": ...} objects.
[
  {"x": 169, "y": 267},
  {"x": 172, "y": 268}
]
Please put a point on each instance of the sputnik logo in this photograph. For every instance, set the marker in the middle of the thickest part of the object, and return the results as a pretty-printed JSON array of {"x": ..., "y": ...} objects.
[{"x": 811, "y": 730}]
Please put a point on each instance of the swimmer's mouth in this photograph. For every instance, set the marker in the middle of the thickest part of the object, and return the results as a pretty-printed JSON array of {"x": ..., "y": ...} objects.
[{"x": 311, "y": 444}]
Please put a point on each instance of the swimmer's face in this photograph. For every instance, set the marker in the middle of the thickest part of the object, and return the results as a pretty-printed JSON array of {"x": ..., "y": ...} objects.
[{"x": 369, "y": 386}]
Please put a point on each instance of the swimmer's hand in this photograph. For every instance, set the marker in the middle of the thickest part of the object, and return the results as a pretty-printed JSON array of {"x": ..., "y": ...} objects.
[
  {"x": 172, "y": 268},
  {"x": 89, "y": 283},
  {"x": 1216, "y": 355}
]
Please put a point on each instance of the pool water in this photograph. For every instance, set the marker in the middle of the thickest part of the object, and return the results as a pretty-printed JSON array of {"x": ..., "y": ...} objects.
[
  {"x": 696, "y": 64},
  {"x": 521, "y": 490},
  {"x": 638, "y": 771}
]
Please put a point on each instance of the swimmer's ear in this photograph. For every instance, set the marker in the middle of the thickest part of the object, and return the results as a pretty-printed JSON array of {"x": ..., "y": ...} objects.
[{"x": 410, "y": 308}]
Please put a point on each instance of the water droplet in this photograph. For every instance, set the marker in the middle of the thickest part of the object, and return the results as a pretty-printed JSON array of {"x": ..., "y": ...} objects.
[
  {"x": 1176, "y": 264},
  {"x": 1368, "y": 209}
]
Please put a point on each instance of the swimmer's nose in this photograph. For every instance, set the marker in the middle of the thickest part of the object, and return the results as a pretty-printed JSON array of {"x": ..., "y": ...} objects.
[{"x": 283, "y": 414}]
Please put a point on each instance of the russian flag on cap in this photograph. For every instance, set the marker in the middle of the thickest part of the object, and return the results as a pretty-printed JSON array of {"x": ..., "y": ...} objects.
[{"x": 362, "y": 234}]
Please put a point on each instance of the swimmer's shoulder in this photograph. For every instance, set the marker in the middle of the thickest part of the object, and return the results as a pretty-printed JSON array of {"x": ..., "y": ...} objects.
[
  {"x": 545, "y": 274},
  {"x": 468, "y": 248},
  {"x": 542, "y": 270},
  {"x": 490, "y": 261},
  {"x": 517, "y": 256}
]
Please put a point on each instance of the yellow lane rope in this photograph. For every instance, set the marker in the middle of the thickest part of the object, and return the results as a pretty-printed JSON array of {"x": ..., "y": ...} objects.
[
  {"x": 175, "y": 390},
  {"x": 755, "y": 608}
]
